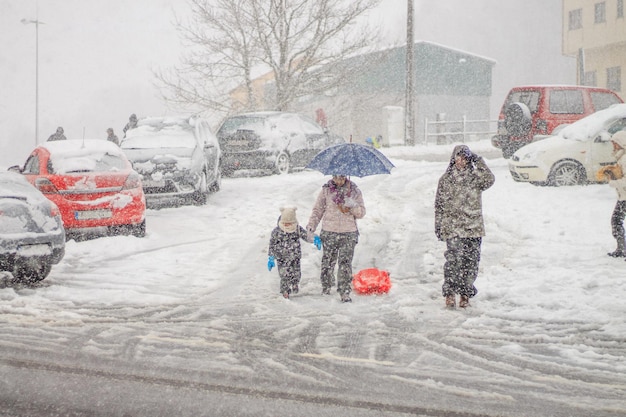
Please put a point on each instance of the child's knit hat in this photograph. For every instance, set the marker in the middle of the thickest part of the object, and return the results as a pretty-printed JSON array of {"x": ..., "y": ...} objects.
[{"x": 288, "y": 215}]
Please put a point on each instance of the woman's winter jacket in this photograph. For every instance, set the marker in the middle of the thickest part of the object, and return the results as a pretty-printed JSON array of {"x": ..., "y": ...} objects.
[
  {"x": 326, "y": 208},
  {"x": 458, "y": 202}
]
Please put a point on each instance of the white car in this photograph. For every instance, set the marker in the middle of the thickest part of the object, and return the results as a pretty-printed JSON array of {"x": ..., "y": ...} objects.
[
  {"x": 574, "y": 155},
  {"x": 177, "y": 158}
]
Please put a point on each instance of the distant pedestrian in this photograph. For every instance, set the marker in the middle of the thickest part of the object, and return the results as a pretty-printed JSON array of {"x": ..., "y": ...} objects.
[
  {"x": 617, "y": 180},
  {"x": 338, "y": 206},
  {"x": 112, "y": 137},
  {"x": 459, "y": 222},
  {"x": 286, "y": 252},
  {"x": 58, "y": 135},
  {"x": 132, "y": 123}
]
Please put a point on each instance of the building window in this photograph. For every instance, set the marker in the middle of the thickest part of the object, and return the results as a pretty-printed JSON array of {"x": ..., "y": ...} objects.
[
  {"x": 620, "y": 8},
  {"x": 576, "y": 19},
  {"x": 614, "y": 78},
  {"x": 600, "y": 14},
  {"x": 591, "y": 79}
]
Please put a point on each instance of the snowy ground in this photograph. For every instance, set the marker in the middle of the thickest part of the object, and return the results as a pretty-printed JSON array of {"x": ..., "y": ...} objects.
[{"x": 189, "y": 318}]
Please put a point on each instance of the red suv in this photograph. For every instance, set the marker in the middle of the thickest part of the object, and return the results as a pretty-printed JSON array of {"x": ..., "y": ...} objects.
[{"x": 529, "y": 111}]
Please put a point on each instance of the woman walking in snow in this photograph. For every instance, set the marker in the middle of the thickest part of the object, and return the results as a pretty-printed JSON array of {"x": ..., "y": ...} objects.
[
  {"x": 338, "y": 206},
  {"x": 285, "y": 250},
  {"x": 459, "y": 222}
]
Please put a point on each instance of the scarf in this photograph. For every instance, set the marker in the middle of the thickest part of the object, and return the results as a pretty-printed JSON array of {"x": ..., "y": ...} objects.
[{"x": 339, "y": 194}]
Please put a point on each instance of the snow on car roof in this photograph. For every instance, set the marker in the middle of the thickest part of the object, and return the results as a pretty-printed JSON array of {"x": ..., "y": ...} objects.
[
  {"x": 85, "y": 155},
  {"x": 80, "y": 147},
  {"x": 590, "y": 126}
]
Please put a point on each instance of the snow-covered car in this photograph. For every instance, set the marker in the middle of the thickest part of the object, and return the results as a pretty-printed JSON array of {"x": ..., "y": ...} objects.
[
  {"x": 92, "y": 183},
  {"x": 574, "y": 155},
  {"x": 278, "y": 142},
  {"x": 177, "y": 158},
  {"x": 32, "y": 237}
]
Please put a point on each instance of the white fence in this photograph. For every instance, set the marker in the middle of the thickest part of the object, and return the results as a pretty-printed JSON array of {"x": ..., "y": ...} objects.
[{"x": 447, "y": 131}]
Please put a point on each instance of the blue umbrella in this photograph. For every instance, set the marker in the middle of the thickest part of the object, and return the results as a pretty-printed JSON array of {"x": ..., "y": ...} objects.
[{"x": 351, "y": 159}]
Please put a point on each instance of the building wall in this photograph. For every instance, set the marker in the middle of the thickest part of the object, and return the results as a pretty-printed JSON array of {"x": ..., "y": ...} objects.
[
  {"x": 362, "y": 116},
  {"x": 603, "y": 43}
]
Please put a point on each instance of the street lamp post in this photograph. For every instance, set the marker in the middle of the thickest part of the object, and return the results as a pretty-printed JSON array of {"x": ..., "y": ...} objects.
[{"x": 37, "y": 22}]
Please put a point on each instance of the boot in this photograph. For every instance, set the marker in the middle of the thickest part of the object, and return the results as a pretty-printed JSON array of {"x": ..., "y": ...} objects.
[
  {"x": 450, "y": 301},
  {"x": 619, "y": 252},
  {"x": 464, "y": 302}
]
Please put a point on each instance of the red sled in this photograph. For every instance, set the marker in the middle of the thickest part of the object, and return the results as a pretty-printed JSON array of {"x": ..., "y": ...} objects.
[{"x": 371, "y": 281}]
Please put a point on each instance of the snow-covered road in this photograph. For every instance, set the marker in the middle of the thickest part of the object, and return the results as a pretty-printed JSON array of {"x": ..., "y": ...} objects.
[{"x": 189, "y": 318}]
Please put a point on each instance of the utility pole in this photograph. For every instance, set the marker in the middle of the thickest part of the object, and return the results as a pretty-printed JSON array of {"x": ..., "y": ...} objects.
[
  {"x": 409, "y": 113},
  {"x": 36, "y": 22}
]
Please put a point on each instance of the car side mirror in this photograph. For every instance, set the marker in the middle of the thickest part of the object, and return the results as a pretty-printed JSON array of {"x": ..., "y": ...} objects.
[
  {"x": 604, "y": 136},
  {"x": 15, "y": 168}
]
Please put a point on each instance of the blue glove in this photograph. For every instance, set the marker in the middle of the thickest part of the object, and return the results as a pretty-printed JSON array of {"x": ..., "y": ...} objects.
[
  {"x": 270, "y": 263},
  {"x": 317, "y": 242}
]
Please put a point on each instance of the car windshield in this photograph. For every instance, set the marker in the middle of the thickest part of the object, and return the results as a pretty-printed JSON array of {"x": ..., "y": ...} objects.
[
  {"x": 160, "y": 140},
  {"x": 602, "y": 100},
  {"x": 588, "y": 127},
  {"x": 529, "y": 98},
  {"x": 85, "y": 162},
  {"x": 235, "y": 123}
]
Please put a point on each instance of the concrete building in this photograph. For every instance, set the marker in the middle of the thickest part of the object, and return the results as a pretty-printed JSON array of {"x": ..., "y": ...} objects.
[
  {"x": 449, "y": 84},
  {"x": 595, "y": 33}
]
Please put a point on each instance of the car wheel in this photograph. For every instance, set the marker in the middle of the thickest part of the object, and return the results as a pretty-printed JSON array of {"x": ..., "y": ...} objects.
[
  {"x": 217, "y": 184},
  {"x": 139, "y": 230},
  {"x": 508, "y": 151},
  {"x": 282, "y": 164},
  {"x": 200, "y": 196},
  {"x": 566, "y": 173},
  {"x": 31, "y": 270},
  {"x": 517, "y": 119}
]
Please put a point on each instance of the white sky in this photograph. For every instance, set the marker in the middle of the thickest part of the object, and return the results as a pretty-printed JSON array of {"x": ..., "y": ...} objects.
[{"x": 96, "y": 58}]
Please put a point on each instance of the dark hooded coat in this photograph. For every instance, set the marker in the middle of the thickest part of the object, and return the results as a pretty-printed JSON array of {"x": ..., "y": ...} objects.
[{"x": 458, "y": 202}]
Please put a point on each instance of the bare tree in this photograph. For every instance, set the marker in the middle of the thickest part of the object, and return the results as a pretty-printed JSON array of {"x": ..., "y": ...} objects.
[{"x": 300, "y": 43}]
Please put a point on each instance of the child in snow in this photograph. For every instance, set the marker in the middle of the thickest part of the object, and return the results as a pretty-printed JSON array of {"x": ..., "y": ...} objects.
[{"x": 285, "y": 250}]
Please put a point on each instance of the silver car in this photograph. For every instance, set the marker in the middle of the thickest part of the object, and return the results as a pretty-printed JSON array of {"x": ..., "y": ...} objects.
[
  {"x": 177, "y": 158},
  {"x": 271, "y": 141},
  {"x": 32, "y": 237}
]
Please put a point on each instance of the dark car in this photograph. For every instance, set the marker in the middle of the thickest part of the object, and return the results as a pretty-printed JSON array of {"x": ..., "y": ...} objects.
[
  {"x": 177, "y": 158},
  {"x": 277, "y": 142},
  {"x": 534, "y": 112},
  {"x": 32, "y": 237}
]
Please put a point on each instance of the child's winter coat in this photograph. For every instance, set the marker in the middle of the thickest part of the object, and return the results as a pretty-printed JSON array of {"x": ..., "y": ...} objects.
[{"x": 285, "y": 241}]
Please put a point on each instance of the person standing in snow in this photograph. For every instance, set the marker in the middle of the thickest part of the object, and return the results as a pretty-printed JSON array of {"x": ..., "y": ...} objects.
[
  {"x": 459, "y": 222},
  {"x": 58, "y": 135},
  {"x": 619, "y": 183},
  {"x": 338, "y": 206},
  {"x": 285, "y": 250},
  {"x": 112, "y": 137},
  {"x": 132, "y": 123}
]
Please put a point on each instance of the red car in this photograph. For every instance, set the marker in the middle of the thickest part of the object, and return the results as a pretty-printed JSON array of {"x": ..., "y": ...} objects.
[
  {"x": 533, "y": 112},
  {"x": 93, "y": 184}
]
